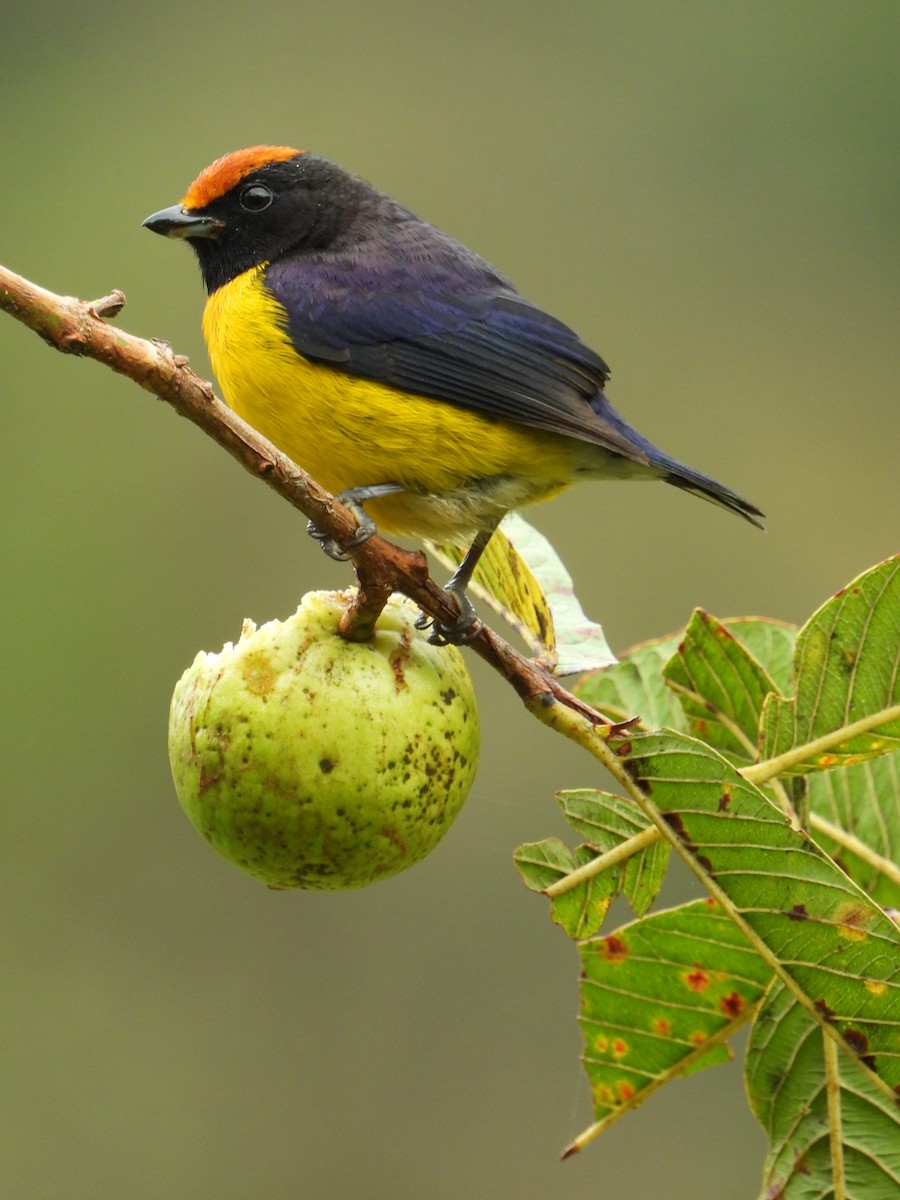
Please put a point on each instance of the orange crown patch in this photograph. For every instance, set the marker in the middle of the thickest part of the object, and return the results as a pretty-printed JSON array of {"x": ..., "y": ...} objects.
[{"x": 221, "y": 176}]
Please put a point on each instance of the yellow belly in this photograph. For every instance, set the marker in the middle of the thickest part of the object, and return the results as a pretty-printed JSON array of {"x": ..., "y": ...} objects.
[{"x": 462, "y": 471}]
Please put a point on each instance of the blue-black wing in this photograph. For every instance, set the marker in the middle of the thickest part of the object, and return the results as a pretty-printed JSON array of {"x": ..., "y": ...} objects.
[{"x": 418, "y": 311}]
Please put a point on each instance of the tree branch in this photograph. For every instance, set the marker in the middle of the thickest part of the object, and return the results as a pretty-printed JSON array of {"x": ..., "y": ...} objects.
[{"x": 78, "y": 327}]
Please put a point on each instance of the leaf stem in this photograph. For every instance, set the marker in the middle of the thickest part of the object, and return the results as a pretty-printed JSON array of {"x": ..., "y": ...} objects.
[
  {"x": 855, "y": 845},
  {"x": 721, "y": 1035},
  {"x": 651, "y": 835},
  {"x": 835, "y": 1124},
  {"x": 762, "y": 772},
  {"x": 631, "y": 846}
]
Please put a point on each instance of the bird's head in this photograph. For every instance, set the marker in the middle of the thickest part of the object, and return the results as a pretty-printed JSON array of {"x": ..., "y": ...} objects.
[{"x": 252, "y": 206}]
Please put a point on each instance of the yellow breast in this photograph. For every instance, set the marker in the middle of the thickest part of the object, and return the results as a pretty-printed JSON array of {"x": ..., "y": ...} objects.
[{"x": 461, "y": 470}]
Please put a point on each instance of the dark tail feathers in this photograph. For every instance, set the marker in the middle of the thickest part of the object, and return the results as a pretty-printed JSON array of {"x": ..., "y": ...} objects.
[
  {"x": 673, "y": 471},
  {"x": 701, "y": 485}
]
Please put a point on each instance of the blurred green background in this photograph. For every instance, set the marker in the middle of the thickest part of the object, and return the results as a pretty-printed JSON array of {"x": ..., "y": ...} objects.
[{"x": 709, "y": 192}]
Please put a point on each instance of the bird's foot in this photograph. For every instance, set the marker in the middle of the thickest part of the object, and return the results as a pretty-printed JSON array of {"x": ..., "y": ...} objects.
[
  {"x": 353, "y": 498},
  {"x": 463, "y": 630}
]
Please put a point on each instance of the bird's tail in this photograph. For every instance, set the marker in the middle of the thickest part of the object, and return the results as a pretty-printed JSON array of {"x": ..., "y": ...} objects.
[
  {"x": 701, "y": 485},
  {"x": 668, "y": 468}
]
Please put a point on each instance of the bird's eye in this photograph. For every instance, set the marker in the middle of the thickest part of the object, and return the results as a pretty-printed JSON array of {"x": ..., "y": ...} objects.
[{"x": 256, "y": 197}]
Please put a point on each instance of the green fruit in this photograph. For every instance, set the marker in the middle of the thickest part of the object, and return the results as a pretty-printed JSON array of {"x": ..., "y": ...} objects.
[{"x": 314, "y": 762}]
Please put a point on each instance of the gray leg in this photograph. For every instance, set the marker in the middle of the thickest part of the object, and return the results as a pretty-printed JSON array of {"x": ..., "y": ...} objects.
[{"x": 464, "y": 629}]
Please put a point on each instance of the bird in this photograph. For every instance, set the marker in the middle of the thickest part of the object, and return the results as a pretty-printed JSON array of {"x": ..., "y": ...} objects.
[{"x": 399, "y": 368}]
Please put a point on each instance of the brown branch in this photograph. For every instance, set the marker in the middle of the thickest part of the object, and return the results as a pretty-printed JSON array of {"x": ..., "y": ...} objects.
[{"x": 78, "y": 327}]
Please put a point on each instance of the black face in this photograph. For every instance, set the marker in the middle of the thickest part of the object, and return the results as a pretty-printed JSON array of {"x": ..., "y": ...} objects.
[{"x": 305, "y": 203}]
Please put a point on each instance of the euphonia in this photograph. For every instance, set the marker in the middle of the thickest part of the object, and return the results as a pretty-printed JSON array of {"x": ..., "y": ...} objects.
[{"x": 399, "y": 368}]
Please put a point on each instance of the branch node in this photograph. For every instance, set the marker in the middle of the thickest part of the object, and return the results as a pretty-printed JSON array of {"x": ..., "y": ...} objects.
[
  {"x": 357, "y": 624},
  {"x": 109, "y": 306},
  {"x": 70, "y": 341},
  {"x": 618, "y": 729}
]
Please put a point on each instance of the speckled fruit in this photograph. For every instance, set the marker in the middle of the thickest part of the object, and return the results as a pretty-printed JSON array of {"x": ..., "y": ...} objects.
[{"x": 314, "y": 762}]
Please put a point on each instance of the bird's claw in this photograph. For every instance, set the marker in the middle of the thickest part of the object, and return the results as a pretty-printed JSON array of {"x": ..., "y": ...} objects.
[
  {"x": 365, "y": 527},
  {"x": 464, "y": 630},
  {"x": 342, "y": 551}
]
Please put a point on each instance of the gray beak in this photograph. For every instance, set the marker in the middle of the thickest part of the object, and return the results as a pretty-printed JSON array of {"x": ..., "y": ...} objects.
[{"x": 178, "y": 222}]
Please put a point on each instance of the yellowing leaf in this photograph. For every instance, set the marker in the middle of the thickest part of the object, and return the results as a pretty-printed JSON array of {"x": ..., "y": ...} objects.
[{"x": 523, "y": 579}]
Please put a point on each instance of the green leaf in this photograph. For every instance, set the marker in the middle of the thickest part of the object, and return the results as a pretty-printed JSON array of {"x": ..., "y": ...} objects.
[
  {"x": 788, "y": 1072},
  {"x": 856, "y": 818},
  {"x": 543, "y": 863},
  {"x": 659, "y": 999},
  {"x": 721, "y": 686},
  {"x": 579, "y": 910},
  {"x": 521, "y": 577},
  {"x": 609, "y": 821},
  {"x": 838, "y": 953},
  {"x": 771, "y": 643},
  {"x": 635, "y": 687},
  {"x": 846, "y": 706},
  {"x": 625, "y": 853}
]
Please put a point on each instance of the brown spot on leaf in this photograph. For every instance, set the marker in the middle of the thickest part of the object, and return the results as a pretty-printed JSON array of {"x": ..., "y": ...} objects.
[
  {"x": 799, "y": 913},
  {"x": 604, "y": 1097},
  {"x": 732, "y": 1004},
  {"x": 724, "y": 800},
  {"x": 662, "y": 1026},
  {"x": 705, "y": 864},
  {"x": 543, "y": 624},
  {"x": 623, "y": 748},
  {"x": 326, "y": 765},
  {"x": 674, "y": 821},
  {"x": 615, "y": 949},
  {"x": 823, "y": 1010},
  {"x": 625, "y": 1090},
  {"x": 851, "y": 919},
  {"x": 619, "y": 1047},
  {"x": 697, "y": 980},
  {"x": 858, "y": 1041}
]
